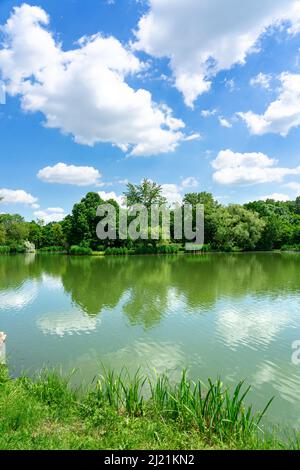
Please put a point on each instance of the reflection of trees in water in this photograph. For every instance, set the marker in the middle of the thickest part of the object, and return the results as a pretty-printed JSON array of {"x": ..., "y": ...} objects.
[
  {"x": 204, "y": 279},
  {"x": 99, "y": 283},
  {"x": 96, "y": 283},
  {"x": 149, "y": 291},
  {"x": 16, "y": 269}
]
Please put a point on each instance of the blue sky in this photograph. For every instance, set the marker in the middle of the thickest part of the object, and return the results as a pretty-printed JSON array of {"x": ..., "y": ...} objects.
[{"x": 159, "y": 89}]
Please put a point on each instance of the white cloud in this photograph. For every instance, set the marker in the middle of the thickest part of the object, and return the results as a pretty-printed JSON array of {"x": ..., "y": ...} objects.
[
  {"x": 224, "y": 122},
  {"x": 294, "y": 187},
  {"x": 283, "y": 114},
  {"x": 190, "y": 182},
  {"x": 276, "y": 197},
  {"x": 172, "y": 192},
  {"x": 208, "y": 112},
  {"x": 248, "y": 168},
  {"x": 18, "y": 196},
  {"x": 200, "y": 42},
  {"x": 230, "y": 84},
  {"x": 52, "y": 214},
  {"x": 123, "y": 181},
  {"x": 106, "y": 196},
  {"x": 57, "y": 210},
  {"x": 83, "y": 91},
  {"x": 263, "y": 80},
  {"x": 70, "y": 174},
  {"x": 190, "y": 138}
]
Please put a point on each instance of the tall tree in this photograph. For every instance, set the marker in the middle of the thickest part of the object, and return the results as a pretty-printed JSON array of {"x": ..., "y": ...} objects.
[
  {"x": 146, "y": 193},
  {"x": 80, "y": 226}
]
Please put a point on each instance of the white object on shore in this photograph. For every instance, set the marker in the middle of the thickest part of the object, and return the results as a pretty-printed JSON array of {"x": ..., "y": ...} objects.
[
  {"x": 2, "y": 338},
  {"x": 2, "y": 348}
]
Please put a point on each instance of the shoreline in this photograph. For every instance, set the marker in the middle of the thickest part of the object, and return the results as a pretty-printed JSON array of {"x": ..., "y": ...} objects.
[
  {"x": 180, "y": 253},
  {"x": 47, "y": 413}
]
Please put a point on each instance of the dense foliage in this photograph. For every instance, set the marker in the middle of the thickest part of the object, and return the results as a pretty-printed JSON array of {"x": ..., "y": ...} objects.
[{"x": 258, "y": 225}]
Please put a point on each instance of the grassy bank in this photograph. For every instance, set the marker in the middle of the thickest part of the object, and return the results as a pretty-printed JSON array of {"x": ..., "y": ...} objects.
[{"x": 46, "y": 413}]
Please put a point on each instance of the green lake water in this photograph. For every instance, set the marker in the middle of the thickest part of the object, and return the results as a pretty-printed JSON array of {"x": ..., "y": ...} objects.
[{"x": 234, "y": 316}]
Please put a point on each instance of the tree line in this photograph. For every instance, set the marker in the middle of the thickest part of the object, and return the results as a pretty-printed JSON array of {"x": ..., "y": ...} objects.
[{"x": 259, "y": 225}]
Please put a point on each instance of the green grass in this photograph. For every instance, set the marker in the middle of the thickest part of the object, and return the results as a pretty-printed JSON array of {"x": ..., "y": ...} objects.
[{"x": 123, "y": 412}]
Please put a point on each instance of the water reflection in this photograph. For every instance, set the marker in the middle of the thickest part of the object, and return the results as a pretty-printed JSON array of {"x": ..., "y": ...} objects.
[
  {"x": 71, "y": 322},
  {"x": 238, "y": 323},
  {"x": 229, "y": 315},
  {"x": 96, "y": 284},
  {"x": 18, "y": 298}
]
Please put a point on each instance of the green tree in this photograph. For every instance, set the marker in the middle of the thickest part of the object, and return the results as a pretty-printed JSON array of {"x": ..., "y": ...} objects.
[
  {"x": 35, "y": 234},
  {"x": 210, "y": 207},
  {"x": 2, "y": 235},
  {"x": 58, "y": 235},
  {"x": 15, "y": 227},
  {"x": 237, "y": 228},
  {"x": 80, "y": 227},
  {"x": 146, "y": 193}
]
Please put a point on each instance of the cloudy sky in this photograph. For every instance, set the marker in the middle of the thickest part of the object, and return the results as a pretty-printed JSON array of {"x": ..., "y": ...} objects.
[{"x": 198, "y": 95}]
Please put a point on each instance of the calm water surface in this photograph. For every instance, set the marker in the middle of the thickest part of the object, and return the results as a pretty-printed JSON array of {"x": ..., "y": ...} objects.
[{"x": 230, "y": 315}]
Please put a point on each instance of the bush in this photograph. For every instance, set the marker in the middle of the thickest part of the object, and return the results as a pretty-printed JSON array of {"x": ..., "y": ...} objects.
[
  {"x": 290, "y": 248},
  {"x": 206, "y": 248},
  {"x": 80, "y": 251},
  {"x": 16, "y": 249},
  {"x": 100, "y": 248},
  {"x": 145, "y": 250},
  {"x": 4, "y": 250},
  {"x": 168, "y": 249},
  {"x": 52, "y": 249},
  {"x": 116, "y": 251}
]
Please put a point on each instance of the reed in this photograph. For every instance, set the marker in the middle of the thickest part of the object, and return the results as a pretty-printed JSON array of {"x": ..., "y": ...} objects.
[{"x": 215, "y": 413}]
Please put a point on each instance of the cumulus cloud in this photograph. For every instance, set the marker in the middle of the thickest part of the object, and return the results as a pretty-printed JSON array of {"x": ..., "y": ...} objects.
[
  {"x": 18, "y": 196},
  {"x": 199, "y": 42},
  {"x": 189, "y": 182},
  {"x": 208, "y": 112},
  {"x": 275, "y": 197},
  {"x": 190, "y": 138},
  {"x": 70, "y": 174},
  {"x": 283, "y": 114},
  {"x": 294, "y": 187},
  {"x": 52, "y": 214},
  {"x": 83, "y": 91},
  {"x": 106, "y": 196},
  {"x": 172, "y": 192},
  {"x": 248, "y": 168},
  {"x": 224, "y": 122},
  {"x": 263, "y": 80}
]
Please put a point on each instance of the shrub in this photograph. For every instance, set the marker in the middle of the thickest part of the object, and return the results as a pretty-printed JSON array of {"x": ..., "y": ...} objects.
[
  {"x": 206, "y": 248},
  {"x": 168, "y": 249},
  {"x": 52, "y": 249},
  {"x": 17, "y": 249},
  {"x": 290, "y": 248},
  {"x": 145, "y": 250},
  {"x": 100, "y": 248},
  {"x": 4, "y": 250},
  {"x": 80, "y": 251},
  {"x": 115, "y": 251}
]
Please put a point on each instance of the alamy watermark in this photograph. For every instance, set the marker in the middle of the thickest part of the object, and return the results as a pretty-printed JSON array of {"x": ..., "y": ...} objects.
[
  {"x": 157, "y": 222},
  {"x": 2, "y": 93}
]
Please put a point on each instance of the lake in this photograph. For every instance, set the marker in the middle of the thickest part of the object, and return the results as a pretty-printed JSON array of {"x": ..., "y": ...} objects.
[{"x": 234, "y": 316}]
